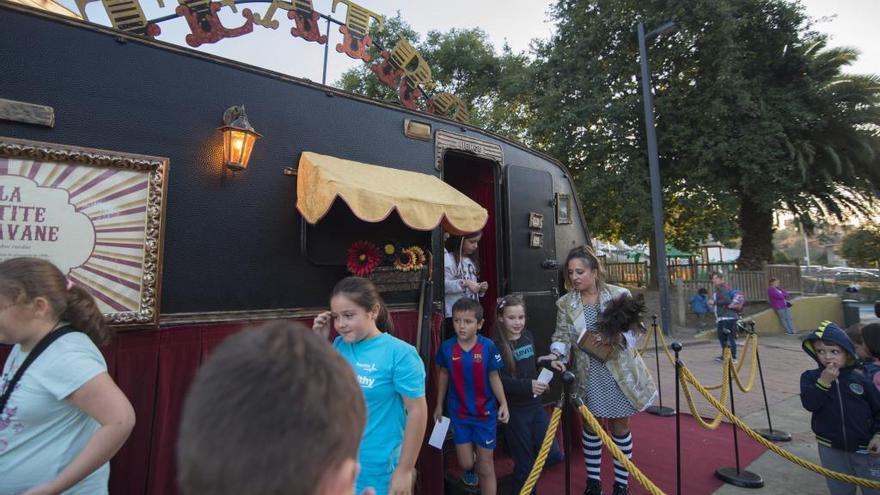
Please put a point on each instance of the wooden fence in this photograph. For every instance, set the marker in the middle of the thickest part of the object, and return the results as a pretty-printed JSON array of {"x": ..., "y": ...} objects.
[{"x": 693, "y": 277}]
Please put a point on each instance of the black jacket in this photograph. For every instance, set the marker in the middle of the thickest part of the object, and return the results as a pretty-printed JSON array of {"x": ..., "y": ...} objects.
[
  {"x": 518, "y": 387},
  {"x": 847, "y": 414}
]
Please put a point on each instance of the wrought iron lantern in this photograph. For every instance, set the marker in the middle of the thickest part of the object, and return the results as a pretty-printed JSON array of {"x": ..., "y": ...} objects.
[{"x": 238, "y": 138}]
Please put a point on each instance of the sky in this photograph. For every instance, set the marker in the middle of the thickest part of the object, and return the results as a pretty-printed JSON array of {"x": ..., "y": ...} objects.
[{"x": 517, "y": 22}]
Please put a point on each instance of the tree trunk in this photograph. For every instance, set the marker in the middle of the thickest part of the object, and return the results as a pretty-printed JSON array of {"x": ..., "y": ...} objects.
[{"x": 756, "y": 224}]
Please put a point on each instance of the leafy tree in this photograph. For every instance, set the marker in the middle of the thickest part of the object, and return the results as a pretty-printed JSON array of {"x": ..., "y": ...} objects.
[
  {"x": 753, "y": 114},
  {"x": 862, "y": 247},
  {"x": 740, "y": 88},
  {"x": 495, "y": 87},
  {"x": 589, "y": 100},
  {"x": 838, "y": 154}
]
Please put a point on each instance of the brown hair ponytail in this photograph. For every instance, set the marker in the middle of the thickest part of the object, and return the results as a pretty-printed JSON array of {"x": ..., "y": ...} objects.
[
  {"x": 82, "y": 312},
  {"x": 23, "y": 279}
]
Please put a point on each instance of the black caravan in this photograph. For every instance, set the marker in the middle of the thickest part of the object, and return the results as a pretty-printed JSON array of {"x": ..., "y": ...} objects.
[{"x": 231, "y": 247}]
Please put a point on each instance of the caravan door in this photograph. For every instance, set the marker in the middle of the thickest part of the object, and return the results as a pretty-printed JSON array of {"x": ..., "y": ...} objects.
[{"x": 532, "y": 268}]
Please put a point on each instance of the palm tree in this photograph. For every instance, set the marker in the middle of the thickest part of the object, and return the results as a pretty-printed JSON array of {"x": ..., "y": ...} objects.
[{"x": 834, "y": 149}]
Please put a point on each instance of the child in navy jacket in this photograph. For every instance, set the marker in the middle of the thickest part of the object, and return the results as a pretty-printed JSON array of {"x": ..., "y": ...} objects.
[{"x": 845, "y": 406}]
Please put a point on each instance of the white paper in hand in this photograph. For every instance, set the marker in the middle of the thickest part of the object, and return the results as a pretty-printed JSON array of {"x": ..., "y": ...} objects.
[
  {"x": 438, "y": 434},
  {"x": 545, "y": 376}
]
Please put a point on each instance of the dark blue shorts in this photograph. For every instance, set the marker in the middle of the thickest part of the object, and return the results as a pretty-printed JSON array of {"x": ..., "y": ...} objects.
[{"x": 479, "y": 433}]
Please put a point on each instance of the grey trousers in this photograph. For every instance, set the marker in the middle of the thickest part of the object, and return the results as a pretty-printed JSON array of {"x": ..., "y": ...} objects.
[{"x": 861, "y": 465}]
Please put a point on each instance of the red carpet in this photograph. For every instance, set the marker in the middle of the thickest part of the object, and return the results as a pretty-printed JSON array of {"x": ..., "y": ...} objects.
[{"x": 703, "y": 451}]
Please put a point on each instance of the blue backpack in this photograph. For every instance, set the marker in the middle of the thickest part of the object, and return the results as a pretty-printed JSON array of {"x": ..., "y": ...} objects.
[{"x": 737, "y": 301}]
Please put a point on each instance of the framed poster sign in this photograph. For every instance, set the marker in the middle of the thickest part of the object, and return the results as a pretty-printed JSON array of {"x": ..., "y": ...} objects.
[{"x": 98, "y": 215}]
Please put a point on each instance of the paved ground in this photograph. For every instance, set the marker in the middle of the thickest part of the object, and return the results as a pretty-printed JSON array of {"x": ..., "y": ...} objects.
[{"x": 783, "y": 361}]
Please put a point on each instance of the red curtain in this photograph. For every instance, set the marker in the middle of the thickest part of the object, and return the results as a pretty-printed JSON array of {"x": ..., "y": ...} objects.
[
  {"x": 154, "y": 369},
  {"x": 133, "y": 364},
  {"x": 476, "y": 179}
]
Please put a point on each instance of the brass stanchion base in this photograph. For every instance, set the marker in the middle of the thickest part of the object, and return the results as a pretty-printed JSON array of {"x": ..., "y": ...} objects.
[
  {"x": 740, "y": 478},
  {"x": 774, "y": 435},
  {"x": 660, "y": 411}
]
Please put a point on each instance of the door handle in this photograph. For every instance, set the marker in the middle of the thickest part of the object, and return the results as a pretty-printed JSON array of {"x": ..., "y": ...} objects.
[{"x": 550, "y": 264}]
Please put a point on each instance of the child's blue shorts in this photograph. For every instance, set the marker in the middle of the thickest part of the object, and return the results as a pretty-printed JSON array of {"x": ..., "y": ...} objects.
[{"x": 479, "y": 433}]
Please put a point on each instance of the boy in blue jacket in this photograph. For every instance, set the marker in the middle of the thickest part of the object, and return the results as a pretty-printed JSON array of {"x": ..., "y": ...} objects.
[{"x": 845, "y": 406}]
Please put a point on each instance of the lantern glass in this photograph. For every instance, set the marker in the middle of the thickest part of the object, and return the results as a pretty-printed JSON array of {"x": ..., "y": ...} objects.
[
  {"x": 237, "y": 147},
  {"x": 238, "y": 138}
]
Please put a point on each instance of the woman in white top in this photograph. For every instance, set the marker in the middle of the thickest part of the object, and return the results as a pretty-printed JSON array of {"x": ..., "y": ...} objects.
[
  {"x": 65, "y": 418},
  {"x": 462, "y": 267}
]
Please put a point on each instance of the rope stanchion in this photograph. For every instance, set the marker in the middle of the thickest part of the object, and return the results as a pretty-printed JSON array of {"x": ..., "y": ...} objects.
[
  {"x": 660, "y": 409},
  {"x": 752, "y": 343},
  {"x": 750, "y": 347},
  {"x": 737, "y": 476},
  {"x": 687, "y": 376},
  {"x": 768, "y": 433},
  {"x": 545, "y": 450},
  {"x": 617, "y": 453},
  {"x": 677, "y": 348}
]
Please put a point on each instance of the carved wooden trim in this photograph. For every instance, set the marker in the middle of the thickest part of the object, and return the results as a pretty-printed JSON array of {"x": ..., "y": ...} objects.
[
  {"x": 445, "y": 140},
  {"x": 157, "y": 170},
  {"x": 27, "y": 113}
]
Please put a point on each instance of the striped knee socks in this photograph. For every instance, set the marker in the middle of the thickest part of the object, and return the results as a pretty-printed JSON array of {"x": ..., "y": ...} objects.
[
  {"x": 592, "y": 447},
  {"x": 625, "y": 444}
]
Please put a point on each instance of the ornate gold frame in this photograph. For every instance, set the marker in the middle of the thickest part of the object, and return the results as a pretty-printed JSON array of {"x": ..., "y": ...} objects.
[{"x": 157, "y": 168}]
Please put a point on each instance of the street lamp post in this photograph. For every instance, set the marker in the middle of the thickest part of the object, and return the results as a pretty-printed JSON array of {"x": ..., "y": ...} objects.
[{"x": 654, "y": 164}]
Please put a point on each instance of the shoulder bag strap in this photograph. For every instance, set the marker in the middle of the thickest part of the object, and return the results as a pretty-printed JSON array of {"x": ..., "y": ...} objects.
[{"x": 38, "y": 349}]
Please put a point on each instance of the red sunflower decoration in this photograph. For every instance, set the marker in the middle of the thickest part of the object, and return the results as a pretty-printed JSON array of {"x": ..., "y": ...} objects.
[{"x": 363, "y": 258}]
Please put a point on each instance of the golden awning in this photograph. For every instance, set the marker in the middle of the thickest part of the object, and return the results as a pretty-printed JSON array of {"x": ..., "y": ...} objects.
[{"x": 373, "y": 192}]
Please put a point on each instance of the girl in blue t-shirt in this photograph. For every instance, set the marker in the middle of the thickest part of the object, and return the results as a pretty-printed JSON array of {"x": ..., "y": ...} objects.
[
  {"x": 392, "y": 378},
  {"x": 65, "y": 417}
]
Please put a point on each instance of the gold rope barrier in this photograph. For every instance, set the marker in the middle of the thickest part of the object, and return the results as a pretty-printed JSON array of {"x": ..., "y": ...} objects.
[
  {"x": 725, "y": 390},
  {"x": 846, "y": 478},
  {"x": 750, "y": 348},
  {"x": 617, "y": 453},
  {"x": 542, "y": 454}
]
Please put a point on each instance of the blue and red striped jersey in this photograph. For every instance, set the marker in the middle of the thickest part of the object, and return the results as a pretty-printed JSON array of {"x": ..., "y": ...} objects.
[{"x": 469, "y": 395}]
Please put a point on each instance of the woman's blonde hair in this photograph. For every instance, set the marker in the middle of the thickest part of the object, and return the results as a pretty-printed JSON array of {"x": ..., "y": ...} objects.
[{"x": 585, "y": 253}]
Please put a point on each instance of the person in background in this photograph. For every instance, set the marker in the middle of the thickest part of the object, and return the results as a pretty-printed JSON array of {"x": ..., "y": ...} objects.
[
  {"x": 700, "y": 305},
  {"x": 725, "y": 318},
  {"x": 65, "y": 418},
  {"x": 461, "y": 263},
  {"x": 777, "y": 297},
  {"x": 854, "y": 332},
  {"x": 870, "y": 335},
  {"x": 272, "y": 399}
]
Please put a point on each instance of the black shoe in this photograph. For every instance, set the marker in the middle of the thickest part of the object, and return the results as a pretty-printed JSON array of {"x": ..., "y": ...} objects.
[
  {"x": 620, "y": 490},
  {"x": 594, "y": 487}
]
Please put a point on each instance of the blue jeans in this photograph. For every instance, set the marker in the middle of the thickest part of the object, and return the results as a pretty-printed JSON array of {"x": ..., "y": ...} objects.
[
  {"x": 727, "y": 335},
  {"x": 784, "y": 315}
]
